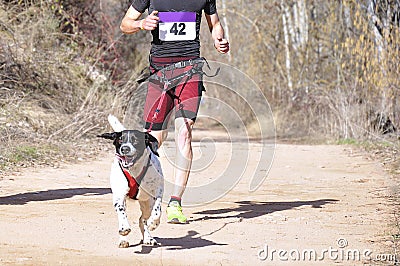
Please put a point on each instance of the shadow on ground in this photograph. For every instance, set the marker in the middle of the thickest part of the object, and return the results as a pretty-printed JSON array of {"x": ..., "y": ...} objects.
[
  {"x": 191, "y": 240},
  {"x": 54, "y": 194},
  {"x": 253, "y": 209},
  {"x": 244, "y": 210}
]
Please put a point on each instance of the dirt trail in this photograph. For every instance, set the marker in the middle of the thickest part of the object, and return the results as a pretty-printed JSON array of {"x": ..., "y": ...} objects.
[{"x": 322, "y": 199}]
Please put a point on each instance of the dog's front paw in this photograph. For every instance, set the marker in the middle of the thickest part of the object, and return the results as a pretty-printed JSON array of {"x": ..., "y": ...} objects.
[
  {"x": 154, "y": 220},
  {"x": 123, "y": 244},
  {"x": 153, "y": 224},
  {"x": 124, "y": 232},
  {"x": 150, "y": 242}
]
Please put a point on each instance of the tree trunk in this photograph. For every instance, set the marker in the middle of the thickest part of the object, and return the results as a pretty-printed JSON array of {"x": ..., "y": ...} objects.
[
  {"x": 287, "y": 43},
  {"x": 226, "y": 26}
]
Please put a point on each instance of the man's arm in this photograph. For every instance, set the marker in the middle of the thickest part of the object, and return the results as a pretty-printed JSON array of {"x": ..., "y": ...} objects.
[
  {"x": 131, "y": 24},
  {"x": 217, "y": 33}
]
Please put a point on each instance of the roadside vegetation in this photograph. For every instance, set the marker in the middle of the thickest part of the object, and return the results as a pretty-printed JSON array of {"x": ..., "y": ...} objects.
[
  {"x": 329, "y": 70},
  {"x": 61, "y": 74}
]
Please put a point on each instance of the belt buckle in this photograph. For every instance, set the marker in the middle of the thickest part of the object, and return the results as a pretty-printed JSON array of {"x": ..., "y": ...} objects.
[{"x": 179, "y": 64}]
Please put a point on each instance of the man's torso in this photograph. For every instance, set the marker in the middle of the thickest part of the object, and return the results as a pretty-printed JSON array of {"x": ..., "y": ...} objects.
[{"x": 178, "y": 35}]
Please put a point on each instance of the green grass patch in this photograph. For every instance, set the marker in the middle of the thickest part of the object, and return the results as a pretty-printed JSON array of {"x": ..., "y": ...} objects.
[
  {"x": 348, "y": 142},
  {"x": 24, "y": 153}
]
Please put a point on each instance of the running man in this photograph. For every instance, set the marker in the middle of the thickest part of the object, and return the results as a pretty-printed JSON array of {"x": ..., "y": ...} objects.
[{"x": 175, "y": 26}]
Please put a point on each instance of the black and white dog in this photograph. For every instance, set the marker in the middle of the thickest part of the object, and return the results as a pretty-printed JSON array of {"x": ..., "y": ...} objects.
[{"x": 135, "y": 173}]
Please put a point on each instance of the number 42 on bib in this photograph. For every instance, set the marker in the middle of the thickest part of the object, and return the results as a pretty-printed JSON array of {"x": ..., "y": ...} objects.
[{"x": 177, "y": 26}]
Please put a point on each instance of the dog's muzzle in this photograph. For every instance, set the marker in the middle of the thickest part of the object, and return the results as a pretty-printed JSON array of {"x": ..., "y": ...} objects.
[
  {"x": 128, "y": 152},
  {"x": 127, "y": 149}
]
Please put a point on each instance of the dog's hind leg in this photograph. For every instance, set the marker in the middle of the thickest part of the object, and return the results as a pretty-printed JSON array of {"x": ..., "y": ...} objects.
[
  {"x": 146, "y": 212},
  {"x": 120, "y": 188}
]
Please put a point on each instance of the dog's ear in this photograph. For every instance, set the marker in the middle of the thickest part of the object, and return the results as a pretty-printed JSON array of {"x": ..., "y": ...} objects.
[
  {"x": 111, "y": 136},
  {"x": 152, "y": 142}
]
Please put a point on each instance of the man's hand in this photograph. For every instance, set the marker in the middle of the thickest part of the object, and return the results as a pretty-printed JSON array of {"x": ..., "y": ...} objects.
[
  {"x": 222, "y": 45},
  {"x": 150, "y": 22}
]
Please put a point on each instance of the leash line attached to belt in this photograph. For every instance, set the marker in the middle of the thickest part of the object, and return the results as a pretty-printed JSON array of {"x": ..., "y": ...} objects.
[{"x": 160, "y": 102}]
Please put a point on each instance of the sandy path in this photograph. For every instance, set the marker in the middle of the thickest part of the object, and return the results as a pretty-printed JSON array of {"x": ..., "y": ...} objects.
[{"x": 312, "y": 197}]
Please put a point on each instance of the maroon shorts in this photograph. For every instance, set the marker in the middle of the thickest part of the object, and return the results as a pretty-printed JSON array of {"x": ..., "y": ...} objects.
[{"x": 182, "y": 98}]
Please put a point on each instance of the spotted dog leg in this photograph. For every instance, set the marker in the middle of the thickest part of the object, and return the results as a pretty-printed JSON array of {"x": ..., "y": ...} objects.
[
  {"x": 146, "y": 212},
  {"x": 155, "y": 217},
  {"x": 120, "y": 188},
  {"x": 123, "y": 223},
  {"x": 157, "y": 186}
]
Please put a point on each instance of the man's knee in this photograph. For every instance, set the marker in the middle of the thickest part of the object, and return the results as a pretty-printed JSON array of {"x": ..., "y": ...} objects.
[{"x": 183, "y": 130}]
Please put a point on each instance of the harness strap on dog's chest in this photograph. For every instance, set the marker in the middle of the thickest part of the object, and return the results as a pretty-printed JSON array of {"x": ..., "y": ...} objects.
[{"x": 134, "y": 183}]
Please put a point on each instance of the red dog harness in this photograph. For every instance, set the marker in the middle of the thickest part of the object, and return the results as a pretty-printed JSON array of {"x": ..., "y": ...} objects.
[{"x": 134, "y": 183}]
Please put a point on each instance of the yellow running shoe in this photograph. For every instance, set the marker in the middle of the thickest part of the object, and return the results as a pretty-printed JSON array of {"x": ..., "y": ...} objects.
[{"x": 174, "y": 213}]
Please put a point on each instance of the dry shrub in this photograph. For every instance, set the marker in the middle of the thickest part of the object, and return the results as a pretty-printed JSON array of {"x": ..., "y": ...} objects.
[
  {"x": 57, "y": 82},
  {"x": 342, "y": 75}
]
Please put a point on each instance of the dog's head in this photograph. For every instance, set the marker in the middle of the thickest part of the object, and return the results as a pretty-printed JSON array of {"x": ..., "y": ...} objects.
[{"x": 131, "y": 144}]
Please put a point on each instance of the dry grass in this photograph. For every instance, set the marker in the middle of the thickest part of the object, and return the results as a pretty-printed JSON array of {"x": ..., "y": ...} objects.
[{"x": 55, "y": 93}]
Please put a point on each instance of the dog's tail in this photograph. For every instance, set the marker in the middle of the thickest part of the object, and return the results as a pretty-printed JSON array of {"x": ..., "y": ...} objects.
[{"x": 115, "y": 124}]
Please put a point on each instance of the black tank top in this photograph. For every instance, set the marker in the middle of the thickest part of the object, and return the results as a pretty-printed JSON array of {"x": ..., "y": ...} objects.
[{"x": 178, "y": 31}]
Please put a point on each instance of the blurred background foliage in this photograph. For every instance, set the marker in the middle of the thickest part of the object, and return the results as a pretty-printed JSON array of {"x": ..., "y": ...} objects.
[{"x": 329, "y": 70}]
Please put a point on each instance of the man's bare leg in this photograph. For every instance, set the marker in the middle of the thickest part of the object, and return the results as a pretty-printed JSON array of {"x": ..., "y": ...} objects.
[
  {"x": 183, "y": 163},
  {"x": 184, "y": 154}
]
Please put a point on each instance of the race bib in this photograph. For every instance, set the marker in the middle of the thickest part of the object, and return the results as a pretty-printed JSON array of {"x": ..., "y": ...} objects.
[{"x": 177, "y": 26}]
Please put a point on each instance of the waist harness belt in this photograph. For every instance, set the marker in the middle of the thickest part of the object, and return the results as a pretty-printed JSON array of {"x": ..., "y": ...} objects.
[{"x": 197, "y": 68}]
